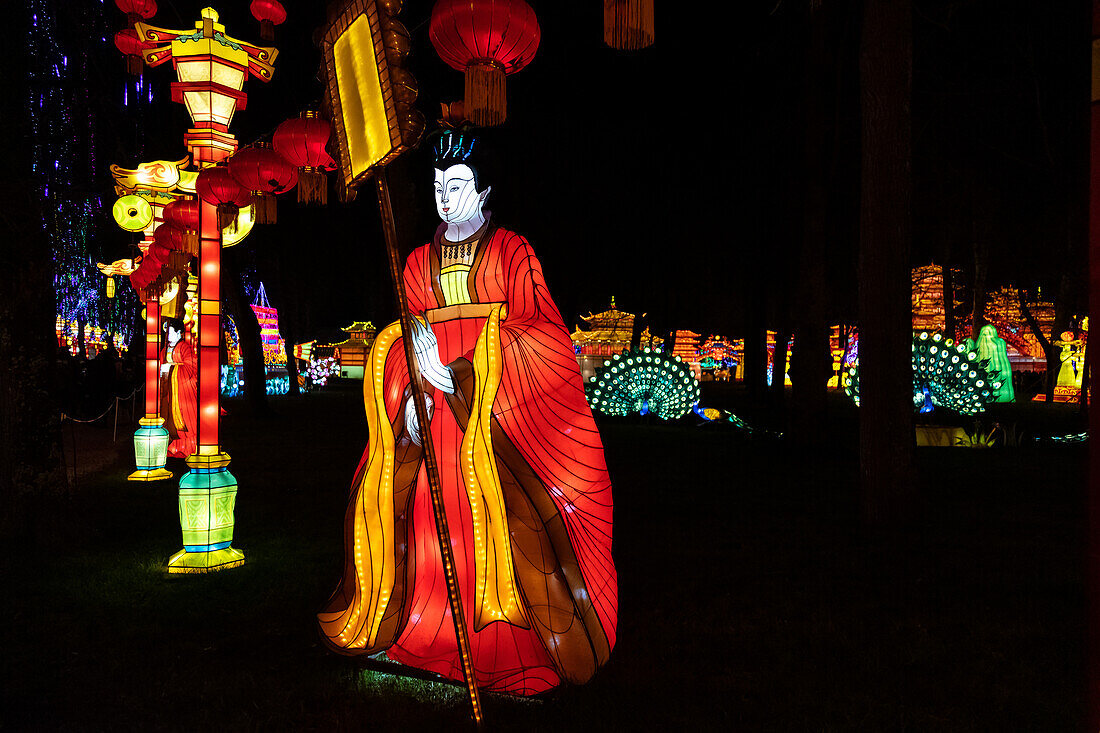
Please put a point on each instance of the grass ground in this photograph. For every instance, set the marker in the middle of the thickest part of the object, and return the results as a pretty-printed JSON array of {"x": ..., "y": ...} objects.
[{"x": 750, "y": 599}]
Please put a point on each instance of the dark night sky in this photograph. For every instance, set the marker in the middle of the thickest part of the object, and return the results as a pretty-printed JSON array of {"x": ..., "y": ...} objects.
[{"x": 659, "y": 176}]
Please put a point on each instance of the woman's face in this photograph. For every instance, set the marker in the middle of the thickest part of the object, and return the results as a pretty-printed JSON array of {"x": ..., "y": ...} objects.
[
  {"x": 173, "y": 335},
  {"x": 456, "y": 198}
]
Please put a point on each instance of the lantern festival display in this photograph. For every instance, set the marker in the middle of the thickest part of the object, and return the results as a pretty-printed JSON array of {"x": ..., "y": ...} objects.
[
  {"x": 487, "y": 40},
  {"x": 945, "y": 374},
  {"x": 211, "y": 68},
  {"x": 644, "y": 381},
  {"x": 523, "y": 485},
  {"x": 179, "y": 389}
]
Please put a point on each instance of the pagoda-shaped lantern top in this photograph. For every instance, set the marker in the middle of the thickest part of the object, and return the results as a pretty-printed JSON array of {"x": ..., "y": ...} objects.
[{"x": 211, "y": 68}]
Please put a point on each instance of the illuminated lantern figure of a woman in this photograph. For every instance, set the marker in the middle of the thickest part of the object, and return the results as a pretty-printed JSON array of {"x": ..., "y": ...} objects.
[
  {"x": 179, "y": 390},
  {"x": 526, "y": 491},
  {"x": 993, "y": 347}
]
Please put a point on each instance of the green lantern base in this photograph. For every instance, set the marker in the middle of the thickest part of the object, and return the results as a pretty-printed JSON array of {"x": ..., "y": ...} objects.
[
  {"x": 150, "y": 474},
  {"x": 205, "y": 562},
  {"x": 207, "y": 496}
]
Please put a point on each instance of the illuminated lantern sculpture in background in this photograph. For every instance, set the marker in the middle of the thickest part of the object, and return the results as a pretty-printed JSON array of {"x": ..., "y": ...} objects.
[
  {"x": 215, "y": 186},
  {"x": 264, "y": 173},
  {"x": 301, "y": 142},
  {"x": 628, "y": 24},
  {"x": 270, "y": 13},
  {"x": 945, "y": 374},
  {"x": 486, "y": 40},
  {"x": 641, "y": 382},
  {"x": 211, "y": 68}
]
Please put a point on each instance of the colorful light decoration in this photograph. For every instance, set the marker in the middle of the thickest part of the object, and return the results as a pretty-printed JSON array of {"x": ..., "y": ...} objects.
[
  {"x": 642, "y": 381},
  {"x": 945, "y": 374},
  {"x": 628, "y": 24},
  {"x": 486, "y": 40},
  {"x": 301, "y": 141},
  {"x": 211, "y": 68}
]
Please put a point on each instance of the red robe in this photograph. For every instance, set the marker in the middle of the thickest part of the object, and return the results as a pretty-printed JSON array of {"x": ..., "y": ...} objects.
[
  {"x": 179, "y": 399},
  {"x": 525, "y": 486}
]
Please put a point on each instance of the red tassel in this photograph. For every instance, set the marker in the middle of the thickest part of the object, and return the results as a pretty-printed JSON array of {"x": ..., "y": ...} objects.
[
  {"x": 267, "y": 30},
  {"x": 486, "y": 102},
  {"x": 134, "y": 65}
]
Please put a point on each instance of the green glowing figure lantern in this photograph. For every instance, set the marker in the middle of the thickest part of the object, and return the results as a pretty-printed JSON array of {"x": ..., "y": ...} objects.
[
  {"x": 151, "y": 451},
  {"x": 993, "y": 348},
  {"x": 207, "y": 497}
]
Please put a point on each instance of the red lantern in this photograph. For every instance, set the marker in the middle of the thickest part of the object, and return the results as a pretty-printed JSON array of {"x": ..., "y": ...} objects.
[
  {"x": 215, "y": 186},
  {"x": 270, "y": 13},
  {"x": 485, "y": 39},
  {"x": 183, "y": 214},
  {"x": 128, "y": 42},
  {"x": 137, "y": 9},
  {"x": 168, "y": 237},
  {"x": 301, "y": 141},
  {"x": 263, "y": 172}
]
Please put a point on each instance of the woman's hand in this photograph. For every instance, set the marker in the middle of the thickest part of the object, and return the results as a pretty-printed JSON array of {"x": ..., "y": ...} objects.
[
  {"x": 411, "y": 422},
  {"x": 426, "y": 349}
]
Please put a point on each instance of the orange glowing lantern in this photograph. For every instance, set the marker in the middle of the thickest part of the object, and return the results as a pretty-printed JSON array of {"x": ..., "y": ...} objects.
[
  {"x": 137, "y": 9},
  {"x": 264, "y": 173},
  {"x": 486, "y": 40},
  {"x": 128, "y": 42}
]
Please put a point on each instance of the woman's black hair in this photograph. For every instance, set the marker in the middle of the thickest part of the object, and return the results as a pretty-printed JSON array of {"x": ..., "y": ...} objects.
[
  {"x": 454, "y": 147},
  {"x": 173, "y": 322}
]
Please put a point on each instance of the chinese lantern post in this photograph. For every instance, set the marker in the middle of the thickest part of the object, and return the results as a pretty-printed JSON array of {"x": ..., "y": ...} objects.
[{"x": 211, "y": 69}]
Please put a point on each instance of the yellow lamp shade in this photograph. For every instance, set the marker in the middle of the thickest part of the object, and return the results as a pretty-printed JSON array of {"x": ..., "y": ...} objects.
[{"x": 132, "y": 213}]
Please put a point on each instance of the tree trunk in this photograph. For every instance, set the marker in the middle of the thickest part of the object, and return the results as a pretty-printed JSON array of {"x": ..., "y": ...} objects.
[
  {"x": 948, "y": 278},
  {"x": 756, "y": 341},
  {"x": 885, "y": 341}
]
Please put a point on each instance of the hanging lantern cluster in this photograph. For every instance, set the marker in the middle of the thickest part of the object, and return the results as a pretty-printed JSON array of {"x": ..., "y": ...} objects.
[
  {"x": 301, "y": 141},
  {"x": 486, "y": 40},
  {"x": 263, "y": 173},
  {"x": 216, "y": 186},
  {"x": 127, "y": 40},
  {"x": 183, "y": 215},
  {"x": 628, "y": 24},
  {"x": 270, "y": 13}
]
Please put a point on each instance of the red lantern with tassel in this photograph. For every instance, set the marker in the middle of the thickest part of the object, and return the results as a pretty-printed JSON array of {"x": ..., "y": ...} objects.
[
  {"x": 215, "y": 186},
  {"x": 270, "y": 13},
  {"x": 628, "y": 24},
  {"x": 264, "y": 173},
  {"x": 183, "y": 214},
  {"x": 137, "y": 10},
  {"x": 486, "y": 40},
  {"x": 301, "y": 141},
  {"x": 128, "y": 42}
]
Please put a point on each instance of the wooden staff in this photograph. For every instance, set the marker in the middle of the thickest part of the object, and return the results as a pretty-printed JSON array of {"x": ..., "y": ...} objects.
[{"x": 446, "y": 552}]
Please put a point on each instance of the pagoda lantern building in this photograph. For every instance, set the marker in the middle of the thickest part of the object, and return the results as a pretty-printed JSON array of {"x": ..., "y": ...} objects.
[
  {"x": 1003, "y": 311},
  {"x": 608, "y": 333},
  {"x": 685, "y": 344},
  {"x": 352, "y": 352},
  {"x": 928, "y": 311}
]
